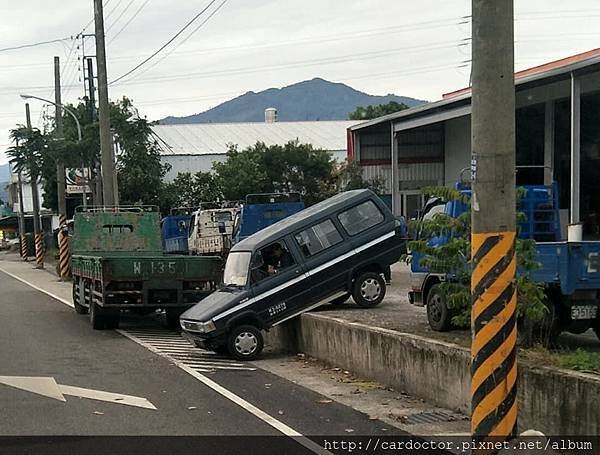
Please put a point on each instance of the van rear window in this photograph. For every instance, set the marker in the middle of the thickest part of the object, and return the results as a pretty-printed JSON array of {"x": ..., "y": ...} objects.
[
  {"x": 360, "y": 218},
  {"x": 318, "y": 238}
]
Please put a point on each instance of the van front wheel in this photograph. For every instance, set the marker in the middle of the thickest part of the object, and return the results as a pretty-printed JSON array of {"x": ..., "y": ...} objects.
[
  {"x": 369, "y": 290},
  {"x": 245, "y": 342}
]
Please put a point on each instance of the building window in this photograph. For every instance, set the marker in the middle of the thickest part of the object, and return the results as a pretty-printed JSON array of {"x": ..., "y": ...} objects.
[
  {"x": 360, "y": 218},
  {"x": 318, "y": 238},
  {"x": 424, "y": 144}
]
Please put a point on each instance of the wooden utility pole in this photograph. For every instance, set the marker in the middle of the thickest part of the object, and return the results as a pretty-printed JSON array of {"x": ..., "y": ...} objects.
[
  {"x": 106, "y": 147},
  {"x": 63, "y": 242},
  {"x": 35, "y": 199},
  {"x": 493, "y": 290}
]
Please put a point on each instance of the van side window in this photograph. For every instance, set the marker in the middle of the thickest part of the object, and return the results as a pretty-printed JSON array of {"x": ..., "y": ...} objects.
[
  {"x": 318, "y": 238},
  {"x": 271, "y": 260},
  {"x": 360, "y": 218}
]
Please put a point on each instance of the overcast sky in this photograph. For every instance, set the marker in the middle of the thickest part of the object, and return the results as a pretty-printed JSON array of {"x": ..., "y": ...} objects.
[{"x": 418, "y": 49}]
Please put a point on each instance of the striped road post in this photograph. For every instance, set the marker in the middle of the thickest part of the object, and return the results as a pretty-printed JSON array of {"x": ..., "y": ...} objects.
[
  {"x": 494, "y": 366},
  {"x": 39, "y": 251},
  {"x": 64, "y": 256},
  {"x": 24, "y": 251}
]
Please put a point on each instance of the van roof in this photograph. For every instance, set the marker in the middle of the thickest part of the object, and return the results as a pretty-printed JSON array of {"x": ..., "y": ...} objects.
[{"x": 303, "y": 218}]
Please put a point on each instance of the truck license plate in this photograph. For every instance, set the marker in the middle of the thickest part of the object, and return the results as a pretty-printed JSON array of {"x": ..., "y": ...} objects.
[{"x": 584, "y": 312}]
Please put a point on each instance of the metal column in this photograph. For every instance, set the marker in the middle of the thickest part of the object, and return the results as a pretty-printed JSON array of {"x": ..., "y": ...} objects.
[
  {"x": 396, "y": 205},
  {"x": 575, "y": 147},
  {"x": 549, "y": 143}
]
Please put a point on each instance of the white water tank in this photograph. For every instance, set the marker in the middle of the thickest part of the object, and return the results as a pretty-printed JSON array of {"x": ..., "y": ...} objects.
[{"x": 270, "y": 115}]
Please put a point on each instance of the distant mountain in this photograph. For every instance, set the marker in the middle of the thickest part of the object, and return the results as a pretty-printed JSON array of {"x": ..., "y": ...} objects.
[
  {"x": 316, "y": 99},
  {"x": 4, "y": 172},
  {"x": 4, "y": 179}
]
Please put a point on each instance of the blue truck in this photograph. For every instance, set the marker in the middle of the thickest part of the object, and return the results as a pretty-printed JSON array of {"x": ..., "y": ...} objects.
[
  {"x": 264, "y": 209},
  {"x": 175, "y": 230},
  {"x": 569, "y": 270}
]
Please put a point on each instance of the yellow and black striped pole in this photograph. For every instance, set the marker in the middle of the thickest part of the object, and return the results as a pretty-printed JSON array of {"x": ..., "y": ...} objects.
[
  {"x": 64, "y": 256},
  {"x": 493, "y": 212},
  {"x": 39, "y": 250},
  {"x": 494, "y": 366},
  {"x": 24, "y": 250}
]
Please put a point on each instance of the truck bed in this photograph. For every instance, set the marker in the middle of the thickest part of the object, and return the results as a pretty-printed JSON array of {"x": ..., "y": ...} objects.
[{"x": 572, "y": 265}]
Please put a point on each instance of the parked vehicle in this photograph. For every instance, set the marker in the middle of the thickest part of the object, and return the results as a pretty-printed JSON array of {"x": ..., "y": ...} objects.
[
  {"x": 175, "y": 229},
  {"x": 343, "y": 245},
  {"x": 118, "y": 264},
  {"x": 570, "y": 270},
  {"x": 264, "y": 209},
  {"x": 211, "y": 228}
]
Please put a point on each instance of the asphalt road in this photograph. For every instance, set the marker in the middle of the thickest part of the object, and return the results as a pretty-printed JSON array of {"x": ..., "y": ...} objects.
[{"x": 40, "y": 337}]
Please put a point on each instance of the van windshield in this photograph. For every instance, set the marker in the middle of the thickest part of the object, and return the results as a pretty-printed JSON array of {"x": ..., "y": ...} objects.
[{"x": 236, "y": 269}]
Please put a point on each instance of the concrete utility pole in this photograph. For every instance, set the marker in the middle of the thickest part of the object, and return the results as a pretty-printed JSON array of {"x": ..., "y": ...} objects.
[
  {"x": 63, "y": 243},
  {"x": 35, "y": 198},
  {"x": 22, "y": 225},
  {"x": 106, "y": 147},
  {"x": 493, "y": 291}
]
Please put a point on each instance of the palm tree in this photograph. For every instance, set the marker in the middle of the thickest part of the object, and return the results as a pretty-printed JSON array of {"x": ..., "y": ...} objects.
[{"x": 26, "y": 157}]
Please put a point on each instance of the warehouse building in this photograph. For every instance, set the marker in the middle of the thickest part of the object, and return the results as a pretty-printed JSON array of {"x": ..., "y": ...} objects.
[
  {"x": 557, "y": 121},
  {"x": 195, "y": 147}
]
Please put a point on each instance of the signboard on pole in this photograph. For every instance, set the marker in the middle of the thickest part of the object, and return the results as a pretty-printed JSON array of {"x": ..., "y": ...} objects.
[{"x": 77, "y": 181}]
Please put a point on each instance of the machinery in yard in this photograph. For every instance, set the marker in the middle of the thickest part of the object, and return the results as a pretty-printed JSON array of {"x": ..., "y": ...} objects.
[
  {"x": 174, "y": 230},
  {"x": 118, "y": 264},
  {"x": 211, "y": 228}
]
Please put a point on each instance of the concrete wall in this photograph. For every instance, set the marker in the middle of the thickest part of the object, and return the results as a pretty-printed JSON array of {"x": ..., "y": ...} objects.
[
  {"x": 457, "y": 153},
  {"x": 550, "y": 400}
]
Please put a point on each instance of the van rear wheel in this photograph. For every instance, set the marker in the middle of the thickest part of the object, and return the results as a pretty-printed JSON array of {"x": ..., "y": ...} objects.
[
  {"x": 369, "y": 290},
  {"x": 245, "y": 342}
]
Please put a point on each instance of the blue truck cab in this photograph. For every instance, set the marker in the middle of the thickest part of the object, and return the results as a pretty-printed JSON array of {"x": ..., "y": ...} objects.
[
  {"x": 262, "y": 210},
  {"x": 174, "y": 230},
  {"x": 569, "y": 270}
]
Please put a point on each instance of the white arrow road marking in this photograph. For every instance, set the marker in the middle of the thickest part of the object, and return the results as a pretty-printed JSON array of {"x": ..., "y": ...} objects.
[
  {"x": 48, "y": 387},
  {"x": 41, "y": 385}
]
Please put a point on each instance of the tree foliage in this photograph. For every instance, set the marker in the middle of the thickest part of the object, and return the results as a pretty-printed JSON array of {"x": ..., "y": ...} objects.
[
  {"x": 189, "y": 190},
  {"x": 378, "y": 110},
  {"x": 451, "y": 256},
  {"x": 293, "y": 167}
]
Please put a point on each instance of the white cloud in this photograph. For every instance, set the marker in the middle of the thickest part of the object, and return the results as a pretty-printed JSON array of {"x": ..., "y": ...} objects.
[{"x": 254, "y": 45}]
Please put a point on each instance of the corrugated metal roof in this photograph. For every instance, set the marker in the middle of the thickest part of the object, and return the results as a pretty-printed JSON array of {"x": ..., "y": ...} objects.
[
  {"x": 214, "y": 138},
  {"x": 463, "y": 96}
]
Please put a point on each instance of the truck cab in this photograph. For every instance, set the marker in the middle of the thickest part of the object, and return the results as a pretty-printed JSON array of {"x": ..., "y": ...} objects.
[
  {"x": 211, "y": 228},
  {"x": 262, "y": 210}
]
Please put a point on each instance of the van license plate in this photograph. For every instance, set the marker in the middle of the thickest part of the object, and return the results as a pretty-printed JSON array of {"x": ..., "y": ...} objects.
[{"x": 584, "y": 312}]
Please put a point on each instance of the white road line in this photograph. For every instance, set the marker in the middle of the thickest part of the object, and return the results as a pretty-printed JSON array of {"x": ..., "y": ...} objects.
[
  {"x": 37, "y": 288},
  {"x": 259, "y": 413}
]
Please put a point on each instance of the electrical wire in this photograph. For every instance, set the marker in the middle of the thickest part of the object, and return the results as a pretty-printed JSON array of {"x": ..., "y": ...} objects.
[
  {"x": 119, "y": 16},
  {"x": 215, "y": 11},
  {"x": 40, "y": 43},
  {"x": 146, "y": 60},
  {"x": 114, "y": 37}
]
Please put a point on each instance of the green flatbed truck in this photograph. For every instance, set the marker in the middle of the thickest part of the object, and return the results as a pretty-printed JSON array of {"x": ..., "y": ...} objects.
[{"x": 118, "y": 264}]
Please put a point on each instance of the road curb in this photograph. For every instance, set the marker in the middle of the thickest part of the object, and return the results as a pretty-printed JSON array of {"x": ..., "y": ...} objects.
[{"x": 553, "y": 400}]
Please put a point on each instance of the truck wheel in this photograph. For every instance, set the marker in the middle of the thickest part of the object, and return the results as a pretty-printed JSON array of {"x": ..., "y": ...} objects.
[
  {"x": 340, "y": 300},
  {"x": 438, "y": 313},
  {"x": 172, "y": 317},
  {"x": 97, "y": 319},
  {"x": 245, "y": 342},
  {"x": 369, "y": 290},
  {"x": 77, "y": 298}
]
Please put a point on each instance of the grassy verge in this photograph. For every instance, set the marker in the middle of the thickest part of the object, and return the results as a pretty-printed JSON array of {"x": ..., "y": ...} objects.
[{"x": 578, "y": 360}]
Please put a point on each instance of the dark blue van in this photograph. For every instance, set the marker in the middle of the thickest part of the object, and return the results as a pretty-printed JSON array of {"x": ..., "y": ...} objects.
[{"x": 339, "y": 247}]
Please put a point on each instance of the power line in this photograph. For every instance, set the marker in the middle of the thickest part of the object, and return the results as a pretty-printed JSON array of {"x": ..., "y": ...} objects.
[
  {"x": 40, "y": 43},
  {"x": 120, "y": 15},
  {"x": 215, "y": 11},
  {"x": 164, "y": 45},
  {"x": 114, "y": 37}
]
